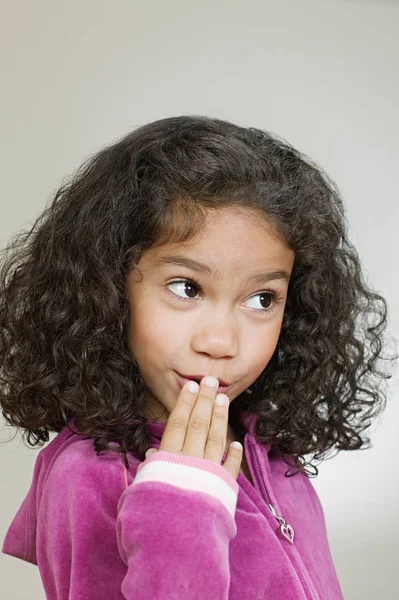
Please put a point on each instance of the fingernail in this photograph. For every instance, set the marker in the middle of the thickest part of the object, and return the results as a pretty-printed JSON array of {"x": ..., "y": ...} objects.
[
  {"x": 236, "y": 445},
  {"x": 192, "y": 386},
  {"x": 211, "y": 381},
  {"x": 221, "y": 400}
]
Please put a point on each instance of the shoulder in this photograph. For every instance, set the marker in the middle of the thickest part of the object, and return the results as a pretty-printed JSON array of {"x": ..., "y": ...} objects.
[{"x": 76, "y": 468}]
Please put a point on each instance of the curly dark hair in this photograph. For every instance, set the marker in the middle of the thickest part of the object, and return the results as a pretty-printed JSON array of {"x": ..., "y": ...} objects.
[{"x": 64, "y": 350}]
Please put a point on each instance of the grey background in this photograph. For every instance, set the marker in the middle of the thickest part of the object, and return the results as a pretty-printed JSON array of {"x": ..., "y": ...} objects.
[{"x": 322, "y": 74}]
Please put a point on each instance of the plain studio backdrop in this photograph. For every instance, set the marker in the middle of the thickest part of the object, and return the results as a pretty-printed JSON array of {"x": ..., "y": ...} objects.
[{"x": 324, "y": 75}]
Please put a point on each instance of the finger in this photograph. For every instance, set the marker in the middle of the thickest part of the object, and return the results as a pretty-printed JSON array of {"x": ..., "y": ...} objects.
[
  {"x": 233, "y": 460},
  {"x": 217, "y": 434},
  {"x": 150, "y": 451},
  {"x": 176, "y": 427},
  {"x": 200, "y": 418}
]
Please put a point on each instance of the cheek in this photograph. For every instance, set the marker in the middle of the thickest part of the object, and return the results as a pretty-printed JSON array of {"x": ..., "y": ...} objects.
[
  {"x": 151, "y": 332},
  {"x": 262, "y": 349}
]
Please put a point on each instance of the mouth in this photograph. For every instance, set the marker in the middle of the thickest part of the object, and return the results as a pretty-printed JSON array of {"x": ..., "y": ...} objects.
[{"x": 222, "y": 389}]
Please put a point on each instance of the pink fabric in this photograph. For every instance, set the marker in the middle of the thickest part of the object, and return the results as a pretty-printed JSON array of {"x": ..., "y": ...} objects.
[{"x": 97, "y": 533}]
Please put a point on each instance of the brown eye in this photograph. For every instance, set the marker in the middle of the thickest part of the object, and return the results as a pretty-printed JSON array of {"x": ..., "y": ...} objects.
[
  {"x": 269, "y": 299},
  {"x": 187, "y": 286},
  {"x": 268, "y": 296},
  {"x": 191, "y": 286}
]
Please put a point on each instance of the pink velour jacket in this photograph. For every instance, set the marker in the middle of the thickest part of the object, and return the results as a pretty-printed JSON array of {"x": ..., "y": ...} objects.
[{"x": 172, "y": 527}]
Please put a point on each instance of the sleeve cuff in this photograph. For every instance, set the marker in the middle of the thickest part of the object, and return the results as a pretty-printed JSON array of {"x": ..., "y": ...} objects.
[{"x": 190, "y": 473}]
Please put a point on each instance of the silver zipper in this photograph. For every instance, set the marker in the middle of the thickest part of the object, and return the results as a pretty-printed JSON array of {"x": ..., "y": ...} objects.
[
  {"x": 286, "y": 530},
  {"x": 284, "y": 527}
]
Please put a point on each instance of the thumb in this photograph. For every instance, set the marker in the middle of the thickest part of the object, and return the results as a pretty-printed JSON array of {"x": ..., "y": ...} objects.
[{"x": 150, "y": 451}]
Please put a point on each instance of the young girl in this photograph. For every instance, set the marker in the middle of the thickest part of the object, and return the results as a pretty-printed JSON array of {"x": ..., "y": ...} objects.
[{"x": 192, "y": 249}]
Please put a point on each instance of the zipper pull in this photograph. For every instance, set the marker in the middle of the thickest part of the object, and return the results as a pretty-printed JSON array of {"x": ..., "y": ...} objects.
[{"x": 285, "y": 529}]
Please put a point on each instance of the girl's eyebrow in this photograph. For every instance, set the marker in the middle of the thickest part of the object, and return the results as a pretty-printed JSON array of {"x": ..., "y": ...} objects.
[{"x": 190, "y": 263}]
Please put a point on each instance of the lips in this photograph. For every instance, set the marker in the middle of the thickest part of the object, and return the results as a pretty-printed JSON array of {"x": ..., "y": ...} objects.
[
  {"x": 198, "y": 378},
  {"x": 222, "y": 389}
]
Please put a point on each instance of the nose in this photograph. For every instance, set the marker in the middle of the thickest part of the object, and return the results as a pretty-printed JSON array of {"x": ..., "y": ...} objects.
[{"x": 216, "y": 337}]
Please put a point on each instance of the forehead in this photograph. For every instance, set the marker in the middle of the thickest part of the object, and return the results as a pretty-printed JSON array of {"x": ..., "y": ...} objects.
[{"x": 231, "y": 239}]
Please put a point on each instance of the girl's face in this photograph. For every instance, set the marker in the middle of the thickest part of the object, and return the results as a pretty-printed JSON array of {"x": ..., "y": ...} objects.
[{"x": 222, "y": 326}]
